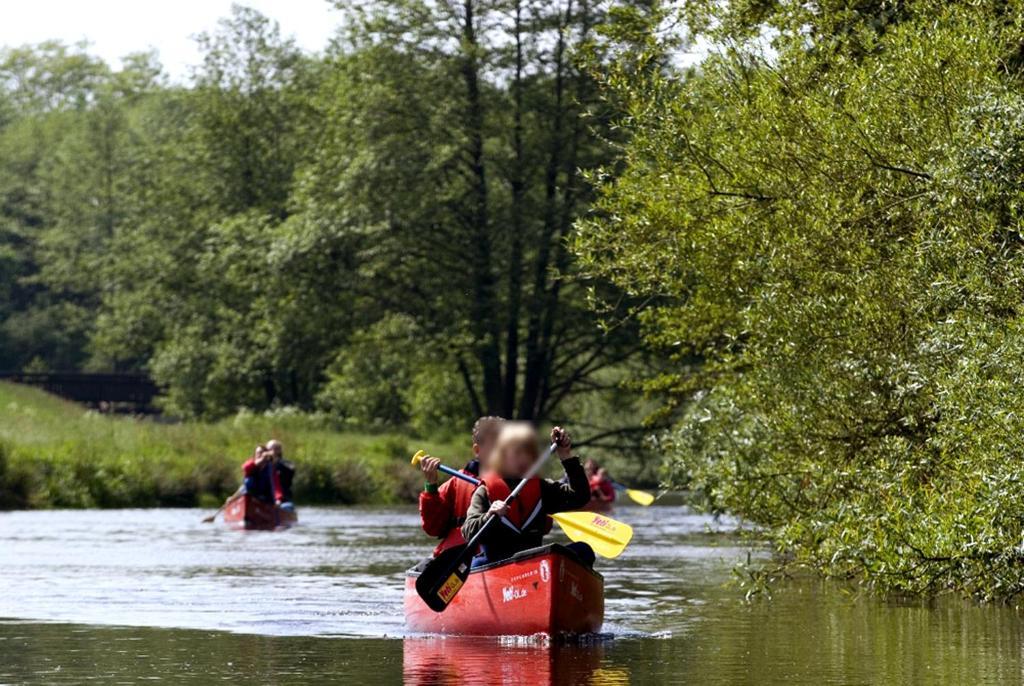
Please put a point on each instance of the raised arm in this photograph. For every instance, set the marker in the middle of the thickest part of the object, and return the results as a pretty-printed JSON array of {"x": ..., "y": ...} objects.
[
  {"x": 571, "y": 493},
  {"x": 437, "y": 509},
  {"x": 476, "y": 515}
]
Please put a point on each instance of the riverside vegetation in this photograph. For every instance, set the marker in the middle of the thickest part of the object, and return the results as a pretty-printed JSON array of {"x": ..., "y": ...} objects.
[{"x": 58, "y": 454}]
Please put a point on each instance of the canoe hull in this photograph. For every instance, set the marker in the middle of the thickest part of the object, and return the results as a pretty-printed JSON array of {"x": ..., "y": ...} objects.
[
  {"x": 541, "y": 591},
  {"x": 602, "y": 506},
  {"x": 248, "y": 513}
]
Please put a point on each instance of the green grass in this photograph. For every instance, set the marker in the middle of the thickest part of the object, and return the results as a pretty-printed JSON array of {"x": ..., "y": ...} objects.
[{"x": 58, "y": 454}]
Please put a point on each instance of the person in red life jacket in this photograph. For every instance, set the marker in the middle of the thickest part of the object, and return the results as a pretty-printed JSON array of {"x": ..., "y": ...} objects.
[
  {"x": 524, "y": 521},
  {"x": 602, "y": 489},
  {"x": 263, "y": 474},
  {"x": 443, "y": 507},
  {"x": 605, "y": 485}
]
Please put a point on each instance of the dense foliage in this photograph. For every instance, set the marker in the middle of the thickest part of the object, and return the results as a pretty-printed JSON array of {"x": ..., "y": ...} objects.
[
  {"x": 825, "y": 220},
  {"x": 379, "y": 231}
]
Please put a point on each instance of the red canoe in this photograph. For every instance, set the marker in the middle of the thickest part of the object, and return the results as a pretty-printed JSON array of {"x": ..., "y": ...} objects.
[
  {"x": 545, "y": 590},
  {"x": 246, "y": 512},
  {"x": 596, "y": 505}
]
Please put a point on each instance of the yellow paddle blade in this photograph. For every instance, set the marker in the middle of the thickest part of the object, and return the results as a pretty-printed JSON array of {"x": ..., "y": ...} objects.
[
  {"x": 420, "y": 454},
  {"x": 605, "y": 535},
  {"x": 640, "y": 497}
]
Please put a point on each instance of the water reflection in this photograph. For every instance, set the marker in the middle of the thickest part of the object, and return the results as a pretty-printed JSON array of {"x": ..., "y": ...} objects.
[
  {"x": 57, "y": 654},
  {"x": 511, "y": 662}
]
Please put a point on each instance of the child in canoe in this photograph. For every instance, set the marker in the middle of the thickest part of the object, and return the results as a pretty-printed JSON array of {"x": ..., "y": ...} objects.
[
  {"x": 443, "y": 507},
  {"x": 524, "y": 521}
]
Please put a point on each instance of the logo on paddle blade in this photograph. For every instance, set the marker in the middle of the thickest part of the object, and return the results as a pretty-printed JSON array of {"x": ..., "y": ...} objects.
[
  {"x": 602, "y": 522},
  {"x": 449, "y": 588}
]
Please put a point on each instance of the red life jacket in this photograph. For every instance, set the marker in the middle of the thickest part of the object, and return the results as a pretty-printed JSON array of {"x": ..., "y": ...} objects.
[
  {"x": 462, "y": 497},
  {"x": 602, "y": 489},
  {"x": 525, "y": 509}
]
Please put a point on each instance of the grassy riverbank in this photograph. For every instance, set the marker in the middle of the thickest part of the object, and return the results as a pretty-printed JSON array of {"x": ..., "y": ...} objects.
[{"x": 57, "y": 454}]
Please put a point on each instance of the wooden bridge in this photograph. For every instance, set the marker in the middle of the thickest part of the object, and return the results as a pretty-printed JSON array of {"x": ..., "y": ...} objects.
[{"x": 130, "y": 392}]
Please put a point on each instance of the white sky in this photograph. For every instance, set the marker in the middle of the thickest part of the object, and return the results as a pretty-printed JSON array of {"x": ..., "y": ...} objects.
[{"x": 115, "y": 28}]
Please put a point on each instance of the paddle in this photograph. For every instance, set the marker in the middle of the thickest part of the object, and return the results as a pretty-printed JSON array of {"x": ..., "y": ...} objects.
[
  {"x": 231, "y": 499},
  {"x": 605, "y": 535},
  {"x": 639, "y": 497},
  {"x": 420, "y": 454},
  {"x": 441, "y": 579}
]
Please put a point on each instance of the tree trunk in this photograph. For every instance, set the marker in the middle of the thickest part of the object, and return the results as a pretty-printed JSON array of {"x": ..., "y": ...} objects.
[
  {"x": 536, "y": 355},
  {"x": 483, "y": 313},
  {"x": 561, "y": 260},
  {"x": 515, "y": 269}
]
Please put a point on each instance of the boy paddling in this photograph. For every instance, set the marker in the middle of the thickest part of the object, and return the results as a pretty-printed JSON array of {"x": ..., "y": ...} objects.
[{"x": 443, "y": 507}]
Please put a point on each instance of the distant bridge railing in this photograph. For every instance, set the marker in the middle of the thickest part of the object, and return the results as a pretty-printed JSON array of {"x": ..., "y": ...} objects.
[{"x": 112, "y": 391}]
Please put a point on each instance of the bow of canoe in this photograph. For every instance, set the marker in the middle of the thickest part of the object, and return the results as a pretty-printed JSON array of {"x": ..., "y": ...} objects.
[{"x": 544, "y": 590}]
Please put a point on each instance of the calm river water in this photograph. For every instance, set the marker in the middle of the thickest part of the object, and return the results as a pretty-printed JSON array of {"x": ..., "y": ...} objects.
[{"x": 132, "y": 596}]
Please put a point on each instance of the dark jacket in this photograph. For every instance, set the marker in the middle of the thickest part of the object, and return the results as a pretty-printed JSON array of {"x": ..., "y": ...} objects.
[
  {"x": 272, "y": 482},
  {"x": 285, "y": 476},
  {"x": 262, "y": 482},
  {"x": 501, "y": 542}
]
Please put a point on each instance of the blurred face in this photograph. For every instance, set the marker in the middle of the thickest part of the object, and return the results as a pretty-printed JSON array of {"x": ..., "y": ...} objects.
[
  {"x": 517, "y": 460},
  {"x": 485, "y": 447},
  {"x": 275, "y": 449}
]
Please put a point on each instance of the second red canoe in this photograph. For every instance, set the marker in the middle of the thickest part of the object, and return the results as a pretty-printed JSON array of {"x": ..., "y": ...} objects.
[{"x": 247, "y": 512}]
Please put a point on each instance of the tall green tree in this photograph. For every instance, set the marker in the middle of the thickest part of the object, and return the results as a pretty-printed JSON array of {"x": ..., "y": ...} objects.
[
  {"x": 456, "y": 132},
  {"x": 45, "y": 91},
  {"x": 207, "y": 296}
]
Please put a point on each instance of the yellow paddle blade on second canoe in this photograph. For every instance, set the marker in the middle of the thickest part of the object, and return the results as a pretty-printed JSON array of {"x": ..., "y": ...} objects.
[
  {"x": 605, "y": 535},
  {"x": 640, "y": 497}
]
